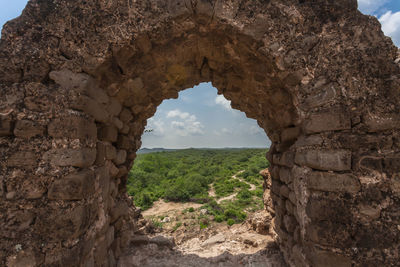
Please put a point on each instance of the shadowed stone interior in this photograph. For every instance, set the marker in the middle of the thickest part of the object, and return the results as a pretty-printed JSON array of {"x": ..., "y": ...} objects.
[{"x": 80, "y": 79}]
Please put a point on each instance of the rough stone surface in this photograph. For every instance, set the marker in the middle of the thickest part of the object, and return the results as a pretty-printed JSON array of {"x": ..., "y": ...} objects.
[
  {"x": 79, "y": 77},
  {"x": 329, "y": 160},
  {"x": 71, "y": 157},
  {"x": 73, "y": 127},
  {"x": 331, "y": 182},
  {"x": 73, "y": 187}
]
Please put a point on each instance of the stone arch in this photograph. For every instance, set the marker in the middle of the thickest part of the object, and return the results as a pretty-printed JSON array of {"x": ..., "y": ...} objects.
[{"x": 79, "y": 80}]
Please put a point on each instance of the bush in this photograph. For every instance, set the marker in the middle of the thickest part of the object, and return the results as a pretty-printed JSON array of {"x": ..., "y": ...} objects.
[
  {"x": 219, "y": 218},
  {"x": 191, "y": 209},
  {"x": 230, "y": 222}
]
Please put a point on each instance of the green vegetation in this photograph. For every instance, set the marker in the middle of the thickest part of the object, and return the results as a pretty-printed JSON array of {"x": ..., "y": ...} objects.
[{"x": 188, "y": 175}]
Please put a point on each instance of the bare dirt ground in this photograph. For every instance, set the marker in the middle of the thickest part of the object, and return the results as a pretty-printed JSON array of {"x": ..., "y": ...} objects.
[
  {"x": 164, "y": 208},
  {"x": 182, "y": 242}
]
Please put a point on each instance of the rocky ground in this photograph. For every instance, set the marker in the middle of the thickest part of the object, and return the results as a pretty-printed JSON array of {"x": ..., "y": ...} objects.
[
  {"x": 174, "y": 238},
  {"x": 244, "y": 244}
]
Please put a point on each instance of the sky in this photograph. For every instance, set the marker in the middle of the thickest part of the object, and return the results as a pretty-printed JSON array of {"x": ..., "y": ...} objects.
[{"x": 200, "y": 117}]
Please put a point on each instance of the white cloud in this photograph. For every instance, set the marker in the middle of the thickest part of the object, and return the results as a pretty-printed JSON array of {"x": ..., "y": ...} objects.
[
  {"x": 221, "y": 100},
  {"x": 391, "y": 25},
  {"x": 255, "y": 130},
  {"x": 178, "y": 124},
  {"x": 224, "y": 132},
  {"x": 370, "y": 6},
  {"x": 157, "y": 127},
  {"x": 187, "y": 126},
  {"x": 177, "y": 113}
]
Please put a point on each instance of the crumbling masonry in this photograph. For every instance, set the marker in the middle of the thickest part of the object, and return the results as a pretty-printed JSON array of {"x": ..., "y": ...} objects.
[{"x": 79, "y": 79}]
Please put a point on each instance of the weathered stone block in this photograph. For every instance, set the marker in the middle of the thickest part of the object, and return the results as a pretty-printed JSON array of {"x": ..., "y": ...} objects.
[
  {"x": 117, "y": 123},
  {"x": 329, "y": 160},
  {"x": 333, "y": 182},
  {"x": 289, "y": 207},
  {"x": 125, "y": 116},
  {"x": 329, "y": 234},
  {"x": 327, "y": 122},
  {"x": 114, "y": 107},
  {"x": 335, "y": 210},
  {"x": 28, "y": 129},
  {"x": 284, "y": 159},
  {"x": 125, "y": 142},
  {"x": 92, "y": 108},
  {"x": 290, "y": 223},
  {"x": 122, "y": 171},
  {"x": 73, "y": 187},
  {"x": 108, "y": 133},
  {"x": 274, "y": 170},
  {"x": 290, "y": 134},
  {"x": 328, "y": 259},
  {"x": 381, "y": 122},
  {"x": 73, "y": 127},
  {"x": 324, "y": 96},
  {"x": 24, "y": 258},
  {"x": 83, "y": 158},
  {"x": 103, "y": 176},
  {"x": 63, "y": 224},
  {"x": 101, "y": 153},
  {"x": 369, "y": 212},
  {"x": 100, "y": 252},
  {"x": 285, "y": 175},
  {"x": 372, "y": 163},
  {"x": 112, "y": 169},
  {"x": 121, "y": 157},
  {"x": 111, "y": 152},
  {"x": 292, "y": 198},
  {"x": 1, "y": 186},
  {"x": 276, "y": 187},
  {"x": 5, "y": 127},
  {"x": 121, "y": 208},
  {"x": 284, "y": 191},
  {"x": 23, "y": 159},
  {"x": 392, "y": 164},
  {"x": 68, "y": 79},
  {"x": 312, "y": 140}
]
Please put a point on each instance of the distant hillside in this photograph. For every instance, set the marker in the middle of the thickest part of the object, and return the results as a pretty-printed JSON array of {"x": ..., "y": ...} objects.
[
  {"x": 146, "y": 150},
  {"x": 154, "y": 150}
]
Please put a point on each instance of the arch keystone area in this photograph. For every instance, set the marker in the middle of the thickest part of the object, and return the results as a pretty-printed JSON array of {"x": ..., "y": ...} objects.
[{"x": 79, "y": 80}]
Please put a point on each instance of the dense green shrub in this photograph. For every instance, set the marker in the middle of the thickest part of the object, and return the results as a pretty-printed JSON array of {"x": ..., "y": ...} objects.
[{"x": 186, "y": 175}]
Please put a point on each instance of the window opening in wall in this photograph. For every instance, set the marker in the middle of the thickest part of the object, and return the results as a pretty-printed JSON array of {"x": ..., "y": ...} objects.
[{"x": 197, "y": 177}]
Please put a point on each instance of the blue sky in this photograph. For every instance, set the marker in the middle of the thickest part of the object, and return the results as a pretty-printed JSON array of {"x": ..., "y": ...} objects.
[{"x": 201, "y": 118}]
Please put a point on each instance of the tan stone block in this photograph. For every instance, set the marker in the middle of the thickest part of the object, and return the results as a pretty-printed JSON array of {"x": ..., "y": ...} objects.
[
  {"x": 329, "y": 259},
  {"x": 290, "y": 134},
  {"x": 5, "y": 127},
  {"x": 23, "y": 159},
  {"x": 333, "y": 182},
  {"x": 323, "y": 122},
  {"x": 284, "y": 191},
  {"x": 73, "y": 127},
  {"x": 125, "y": 116},
  {"x": 28, "y": 129},
  {"x": 92, "y": 108},
  {"x": 83, "y": 158},
  {"x": 108, "y": 133},
  {"x": 73, "y": 187},
  {"x": 329, "y": 160},
  {"x": 120, "y": 157}
]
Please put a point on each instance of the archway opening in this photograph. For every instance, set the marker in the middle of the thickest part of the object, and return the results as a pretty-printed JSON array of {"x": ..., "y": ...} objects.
[{"x": 197, "y": 181}]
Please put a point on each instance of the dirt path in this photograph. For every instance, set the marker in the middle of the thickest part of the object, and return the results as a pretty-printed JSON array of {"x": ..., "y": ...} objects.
[
  {"x": 162, "y": 207},
  {"x": 212, "y": 193}
]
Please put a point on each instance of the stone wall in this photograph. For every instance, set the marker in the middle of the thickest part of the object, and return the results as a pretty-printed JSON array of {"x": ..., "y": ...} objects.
[{"x": 80, "y": 79}]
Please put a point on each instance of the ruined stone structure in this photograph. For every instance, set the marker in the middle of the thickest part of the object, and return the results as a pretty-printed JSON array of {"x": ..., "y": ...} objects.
[{"x": 79, "y": 79}]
